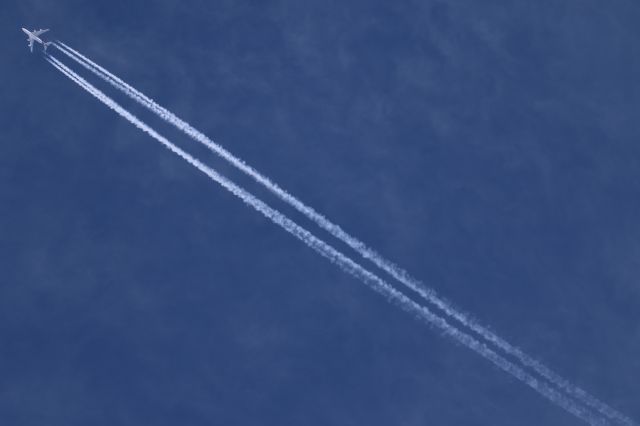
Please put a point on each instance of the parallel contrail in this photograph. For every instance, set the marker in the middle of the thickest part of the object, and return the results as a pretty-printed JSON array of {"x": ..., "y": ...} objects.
[
  {"x": 343, "y": 262},
  {"x": 360, "y": 247}
]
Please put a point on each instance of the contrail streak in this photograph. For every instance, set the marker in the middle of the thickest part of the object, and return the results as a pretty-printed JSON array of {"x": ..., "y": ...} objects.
[
  {"x": 342, "y": 261},
  {"x": 360, "y": 247}
]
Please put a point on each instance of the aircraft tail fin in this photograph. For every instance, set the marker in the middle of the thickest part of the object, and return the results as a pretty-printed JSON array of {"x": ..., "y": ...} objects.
[{"x": 47, "y": 45}]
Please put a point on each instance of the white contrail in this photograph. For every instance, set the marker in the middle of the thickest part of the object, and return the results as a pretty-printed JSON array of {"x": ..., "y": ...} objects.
[
  {"x": 360, "y": 247},
  {"x": 342, "y": 261}
]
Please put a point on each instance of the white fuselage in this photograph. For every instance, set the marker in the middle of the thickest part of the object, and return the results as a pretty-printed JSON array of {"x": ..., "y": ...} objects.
[{"x": 32, "y": 36}]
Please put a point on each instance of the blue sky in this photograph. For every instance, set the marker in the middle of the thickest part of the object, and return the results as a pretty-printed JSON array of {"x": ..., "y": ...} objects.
[{"x": 490, "y": 148}]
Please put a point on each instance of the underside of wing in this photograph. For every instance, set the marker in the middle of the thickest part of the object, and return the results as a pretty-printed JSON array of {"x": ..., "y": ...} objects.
[
  {"x": 37, "y": 33},
  {"x": 31, "y": 45}
]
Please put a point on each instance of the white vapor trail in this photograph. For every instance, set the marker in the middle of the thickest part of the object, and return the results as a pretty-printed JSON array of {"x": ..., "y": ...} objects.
[
  {"x": 360, "y": 247},
  {"x": 344, "y": 262}
]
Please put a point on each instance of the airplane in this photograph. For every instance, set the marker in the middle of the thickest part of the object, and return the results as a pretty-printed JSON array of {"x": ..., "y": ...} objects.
[{"x": 35, "y": 36}]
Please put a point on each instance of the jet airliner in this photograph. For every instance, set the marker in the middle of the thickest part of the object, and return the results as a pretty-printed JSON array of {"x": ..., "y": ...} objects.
[{"x": 35, "y": 36}]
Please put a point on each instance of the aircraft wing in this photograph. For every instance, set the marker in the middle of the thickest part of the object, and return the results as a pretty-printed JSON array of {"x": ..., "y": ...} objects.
[
  {"x": 37, "y": 33},
  {"x": 31, "y": 45}
]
